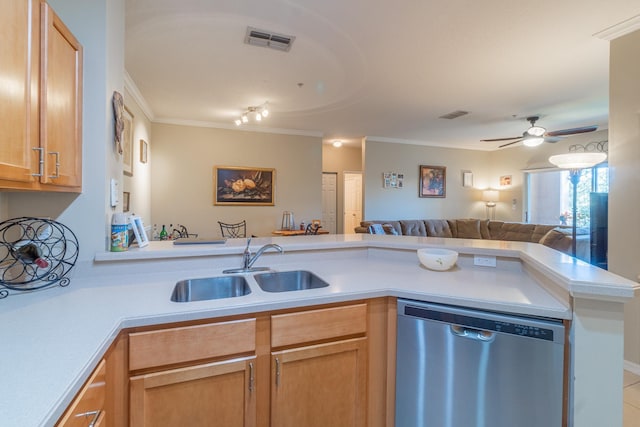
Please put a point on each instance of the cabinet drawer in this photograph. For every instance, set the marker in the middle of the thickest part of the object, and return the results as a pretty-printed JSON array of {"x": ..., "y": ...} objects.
[
  {"x": 315, "y": 325},
  {"x": 184, "y": 344},
  {"x": 88, "y": 407}
]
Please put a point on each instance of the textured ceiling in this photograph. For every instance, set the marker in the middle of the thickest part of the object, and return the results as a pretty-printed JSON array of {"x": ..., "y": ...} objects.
[{"x": 380, "y": 69}]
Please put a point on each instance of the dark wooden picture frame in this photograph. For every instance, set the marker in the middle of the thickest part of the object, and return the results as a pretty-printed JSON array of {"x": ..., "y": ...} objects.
[
  {"x": 432, "y": 181},
  {"x": 243, "y": 186}
]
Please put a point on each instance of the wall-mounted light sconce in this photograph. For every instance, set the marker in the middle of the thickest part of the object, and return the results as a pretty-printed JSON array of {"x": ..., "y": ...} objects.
[{"x": 490, "y": 197}]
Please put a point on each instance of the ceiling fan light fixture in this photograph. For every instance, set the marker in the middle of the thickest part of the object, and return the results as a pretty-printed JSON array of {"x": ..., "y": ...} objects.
[
  {"x": 533, "y": 141},
  {"x": 536, "y": 131}
]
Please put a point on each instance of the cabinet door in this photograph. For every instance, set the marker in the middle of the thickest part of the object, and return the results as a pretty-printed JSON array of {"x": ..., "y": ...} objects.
[
  {"x": 208, "y": 395},
  {"x": 320, "y": 385},
  {"x": 19, "y": 56},
  {"x": 61, "y": 103}
]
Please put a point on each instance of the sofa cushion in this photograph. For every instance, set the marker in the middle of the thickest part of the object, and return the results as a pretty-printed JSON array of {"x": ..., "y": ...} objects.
[
  {"x": 484, "y": 229},
  {"x": 558, "y": 239},
  {"x": 468, "y": 228},
  {"x": 539, "y": 231},
  {"x": 438, "y": 228},
  {"x": 518, "y": 232},
  {"x": 413, "y": 227},
  {"x": 453, "y": 226},
  {"x": 364, "y": 225},
  {"x": 495, "y": 229}
]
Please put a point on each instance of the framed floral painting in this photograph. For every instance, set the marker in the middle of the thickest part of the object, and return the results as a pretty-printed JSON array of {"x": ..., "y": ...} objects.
[{"x": 244, "y": 186}]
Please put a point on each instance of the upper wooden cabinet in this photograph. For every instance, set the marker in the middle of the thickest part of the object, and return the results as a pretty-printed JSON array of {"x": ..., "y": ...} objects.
[{"x": 40, "y": 100}]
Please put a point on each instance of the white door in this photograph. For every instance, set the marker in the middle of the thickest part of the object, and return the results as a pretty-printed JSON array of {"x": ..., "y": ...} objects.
[
  {"x": 329, "y": 201},
  {"x": 352, "y": 201}
]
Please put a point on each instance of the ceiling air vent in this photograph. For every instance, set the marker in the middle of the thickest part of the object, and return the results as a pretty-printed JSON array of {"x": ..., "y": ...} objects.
[
  {"x": 264, "y": 38},
  {"x": 454, "y": 115}
]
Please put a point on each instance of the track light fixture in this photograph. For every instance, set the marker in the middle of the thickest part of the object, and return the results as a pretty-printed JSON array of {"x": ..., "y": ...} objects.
[{"x": 256, "y": 113}]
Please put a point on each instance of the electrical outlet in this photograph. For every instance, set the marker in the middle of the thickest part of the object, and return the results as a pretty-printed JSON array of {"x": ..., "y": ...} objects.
[{"x": 484, "y": 261}]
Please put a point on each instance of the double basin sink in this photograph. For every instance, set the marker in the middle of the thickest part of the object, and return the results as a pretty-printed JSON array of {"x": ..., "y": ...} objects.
[{"x": 235, "y": 286}]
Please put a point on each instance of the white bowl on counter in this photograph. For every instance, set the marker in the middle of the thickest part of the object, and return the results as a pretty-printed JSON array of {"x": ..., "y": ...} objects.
[{"x": 437, "y": 259}]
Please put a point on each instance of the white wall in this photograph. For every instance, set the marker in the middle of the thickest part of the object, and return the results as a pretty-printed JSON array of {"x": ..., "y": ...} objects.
[
  {"x": 182, "y": 177},
  {"x": 99, "y": 26},
  {"x": 139, "y": 184},
  {"x": 624, "y": 158}
]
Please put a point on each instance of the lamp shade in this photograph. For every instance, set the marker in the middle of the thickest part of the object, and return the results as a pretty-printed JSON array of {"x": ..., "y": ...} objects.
[
  {"x": 490, "y": 195},
  {"x": 577, "y": 160}
]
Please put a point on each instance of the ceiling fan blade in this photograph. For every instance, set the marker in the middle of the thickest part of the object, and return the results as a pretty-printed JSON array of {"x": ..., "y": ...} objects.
[
  {"x": 500, "y": 139},
  {"x": 511, "y": 143},
  {"x": 553, "y": 139},
  {"x": 572, "y": 131}
]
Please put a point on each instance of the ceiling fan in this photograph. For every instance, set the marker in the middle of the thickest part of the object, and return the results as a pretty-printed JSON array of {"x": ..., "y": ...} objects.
[{"x": 536, "y": 135}]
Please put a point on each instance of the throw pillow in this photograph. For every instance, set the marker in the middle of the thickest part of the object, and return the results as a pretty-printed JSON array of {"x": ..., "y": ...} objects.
[
  {"x": 558, "y": 239},
  {"x": 484, "y": 229},
  {"x": 388, "y": 229},
  {"x": 468, "y": 228}
]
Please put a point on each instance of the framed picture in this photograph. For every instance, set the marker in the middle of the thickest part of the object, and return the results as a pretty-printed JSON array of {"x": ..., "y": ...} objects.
[
  {"x": 138, "y": 231},
  {"x": 144, "y": 147},
  {"x": 243, "y": 186},
  {"x": 126, "y": 198},
  {"x": 127, "y": 142},
  {"x": 467, "y": 179},
  {"x": 433, "y": 181},
  {"x": 505, "y": 180}
]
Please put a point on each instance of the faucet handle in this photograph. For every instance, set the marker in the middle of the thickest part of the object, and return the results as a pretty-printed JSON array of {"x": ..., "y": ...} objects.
[{"x": 248, "y": 243}]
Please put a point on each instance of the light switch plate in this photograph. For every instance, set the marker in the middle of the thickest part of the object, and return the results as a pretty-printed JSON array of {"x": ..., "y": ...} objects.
[{"x": 115, "y": 192}]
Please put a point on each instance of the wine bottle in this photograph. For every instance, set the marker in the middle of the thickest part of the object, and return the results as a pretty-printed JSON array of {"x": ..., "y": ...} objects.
[
  {"x": 163, "y": 233},
  {"x": 29, "y": 253}
]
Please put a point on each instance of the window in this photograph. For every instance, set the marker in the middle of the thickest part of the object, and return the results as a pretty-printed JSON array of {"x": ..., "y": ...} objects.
[{"x": 550, "y": 195}]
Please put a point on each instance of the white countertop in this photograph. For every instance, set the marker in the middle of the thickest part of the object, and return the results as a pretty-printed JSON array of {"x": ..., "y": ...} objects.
[{"x": 53, "y": 338}]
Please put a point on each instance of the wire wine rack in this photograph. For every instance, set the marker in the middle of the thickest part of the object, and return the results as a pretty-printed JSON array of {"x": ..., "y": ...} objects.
[{"x": 35, "y": 253}]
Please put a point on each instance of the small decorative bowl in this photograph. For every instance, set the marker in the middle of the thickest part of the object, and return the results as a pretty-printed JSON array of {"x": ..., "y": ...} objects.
[{"x": 437, "y": 259}]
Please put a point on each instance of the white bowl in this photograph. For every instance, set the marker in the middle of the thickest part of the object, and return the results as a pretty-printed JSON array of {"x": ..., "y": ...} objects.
[{"x": 437, "y": 259}]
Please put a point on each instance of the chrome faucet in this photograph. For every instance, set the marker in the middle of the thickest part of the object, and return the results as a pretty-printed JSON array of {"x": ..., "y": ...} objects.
[{"x": 248, "y": 259}]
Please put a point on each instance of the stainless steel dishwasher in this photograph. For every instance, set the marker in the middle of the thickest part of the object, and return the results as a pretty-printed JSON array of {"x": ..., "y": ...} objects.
[{"x": 458, "y": 367}]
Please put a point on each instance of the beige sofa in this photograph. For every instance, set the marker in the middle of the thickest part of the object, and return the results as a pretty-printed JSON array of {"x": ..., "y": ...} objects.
[{"x": 554, "y": 236}]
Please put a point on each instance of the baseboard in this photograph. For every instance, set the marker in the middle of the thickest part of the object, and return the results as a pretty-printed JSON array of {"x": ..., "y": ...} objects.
[{"x": 634, "y": 368}]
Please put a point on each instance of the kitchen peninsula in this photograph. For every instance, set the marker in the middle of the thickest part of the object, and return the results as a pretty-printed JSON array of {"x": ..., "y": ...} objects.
[{"x": 55, "y": 338}]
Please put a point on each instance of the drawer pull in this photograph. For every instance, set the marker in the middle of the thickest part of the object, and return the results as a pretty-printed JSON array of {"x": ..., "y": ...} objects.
[
  {"x": 57, "y": 174},
  {"x": 40, "y": 162},
  {"x": 251, "y": 379},
  {"x": 277, "y": 372},
  {"x": 94, "y": 414}
]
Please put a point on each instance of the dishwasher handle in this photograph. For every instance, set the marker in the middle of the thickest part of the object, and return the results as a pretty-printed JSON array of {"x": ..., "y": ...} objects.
[{"x": 471, "y": 333}]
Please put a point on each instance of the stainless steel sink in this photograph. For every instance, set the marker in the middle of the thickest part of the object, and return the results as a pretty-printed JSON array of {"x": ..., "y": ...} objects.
[
  {"x": 210, "y": 288},
  {"x": 285, "y": 281}
]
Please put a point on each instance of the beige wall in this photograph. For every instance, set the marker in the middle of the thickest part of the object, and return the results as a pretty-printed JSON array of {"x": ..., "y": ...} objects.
[
  {"x": 404, "y": 203},
  {"x": 182, "y": 177},
  {"x": 341, "y": 160},
  {"x": 624, "y": 158}
]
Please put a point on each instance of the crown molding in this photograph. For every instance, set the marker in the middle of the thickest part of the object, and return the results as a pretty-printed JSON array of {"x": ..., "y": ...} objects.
[
  {"x": 132, "y": 88},
  {"x": 620, "y": 29},
  {"x": 231, "y": 126}
]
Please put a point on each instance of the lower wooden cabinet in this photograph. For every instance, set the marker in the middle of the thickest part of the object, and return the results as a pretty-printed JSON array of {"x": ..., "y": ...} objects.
[
  {"x": 87, "y": 409},
  {"x": 315, "y": 366},
  {"x": 320, "y": 385},
  {"x": 206, "y": 395}
]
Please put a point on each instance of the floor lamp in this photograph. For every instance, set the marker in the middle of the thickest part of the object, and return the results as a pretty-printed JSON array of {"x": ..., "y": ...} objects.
[
  {"x": 490, "y": 198},
  {"x": 575, "y": 162}
]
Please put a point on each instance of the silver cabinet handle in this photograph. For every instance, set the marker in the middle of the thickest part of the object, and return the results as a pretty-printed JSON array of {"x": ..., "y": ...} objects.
[
  {"x": 277, "y": 372},
  {"x": 40, "y": 161},
  {"x": 57, "y": 174},
  {"x": 251, "y": 379},
  {"x": 94, "y": 414}
]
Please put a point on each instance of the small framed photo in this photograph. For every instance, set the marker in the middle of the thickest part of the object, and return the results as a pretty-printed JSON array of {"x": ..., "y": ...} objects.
[
  {"x": 138, "y": 231},
  {"x": 144, "y": 147},
  {"x": 126, "y": 199},
  {"x": 467, "y": 179},
  {"x": 505, "y": 180},
  {"x": 433, "y": 181}
]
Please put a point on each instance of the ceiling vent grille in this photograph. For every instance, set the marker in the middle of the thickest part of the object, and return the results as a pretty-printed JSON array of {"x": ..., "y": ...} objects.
[
  {"x": 264, "y": 38},
  {"x": 454, "y": 115}
]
